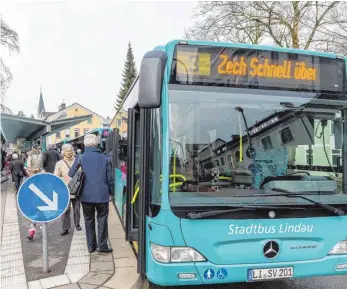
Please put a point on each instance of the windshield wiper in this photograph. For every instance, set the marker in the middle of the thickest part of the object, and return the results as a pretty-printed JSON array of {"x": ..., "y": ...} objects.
[
  {"x": 288, "y": 194},
  {"x": 202, "y": 215}
]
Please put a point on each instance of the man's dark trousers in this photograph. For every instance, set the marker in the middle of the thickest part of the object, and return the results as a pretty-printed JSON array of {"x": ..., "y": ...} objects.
[{"x": 89, "y": 219}]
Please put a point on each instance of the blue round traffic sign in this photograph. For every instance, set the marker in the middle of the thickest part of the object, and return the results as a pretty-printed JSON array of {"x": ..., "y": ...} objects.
[{"x": 43, "y": 198}]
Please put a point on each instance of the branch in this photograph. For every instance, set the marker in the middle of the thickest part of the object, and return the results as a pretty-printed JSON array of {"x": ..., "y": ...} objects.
[{"x": 318, "y": 22}]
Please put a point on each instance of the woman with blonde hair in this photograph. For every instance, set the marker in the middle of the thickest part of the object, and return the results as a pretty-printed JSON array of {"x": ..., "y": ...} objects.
[{"x": 62, "y": 168}]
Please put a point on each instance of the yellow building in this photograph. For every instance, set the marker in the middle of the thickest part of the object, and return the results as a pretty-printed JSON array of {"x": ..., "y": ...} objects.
[
  {"x": 120, "y": 121},
  {"x": 80, "y": 129}
]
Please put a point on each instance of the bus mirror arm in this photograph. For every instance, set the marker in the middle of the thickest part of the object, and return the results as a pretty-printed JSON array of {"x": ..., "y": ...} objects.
[{"x": 250, "y": 152}]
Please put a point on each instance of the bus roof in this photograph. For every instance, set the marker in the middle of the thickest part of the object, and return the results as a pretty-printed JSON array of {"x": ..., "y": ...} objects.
[{"x": 248, "y": 46}]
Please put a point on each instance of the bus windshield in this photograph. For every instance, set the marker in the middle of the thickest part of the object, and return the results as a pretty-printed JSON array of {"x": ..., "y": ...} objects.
[{"x": 227, "y": 144}]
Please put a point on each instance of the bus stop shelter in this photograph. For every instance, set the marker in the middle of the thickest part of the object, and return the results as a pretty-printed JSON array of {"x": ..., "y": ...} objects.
[{"x": 32, "y": 130}]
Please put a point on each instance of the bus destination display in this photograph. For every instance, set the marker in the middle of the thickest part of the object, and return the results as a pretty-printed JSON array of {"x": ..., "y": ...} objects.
[{"x": 206, "y": 65}]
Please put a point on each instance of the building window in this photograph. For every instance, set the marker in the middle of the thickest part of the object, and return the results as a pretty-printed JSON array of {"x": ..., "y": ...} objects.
[
  {"x": 222, "y": 161},
  {"x": 89, "y": 120},
  {"x": 85, "y": 130},
  {"x": 267, "y": 144},
  {"x": 77, "y": 132},
  {"x": 309, "y": 157},
  {"x": 67, "y": 132},
  {"x": 217, "y": 163},
  {"x": 335, "y": 154},
  {"x": 57, "y": 135},
  {"x": 286, "y": 136},
  {"x": 119, "y": 122}
]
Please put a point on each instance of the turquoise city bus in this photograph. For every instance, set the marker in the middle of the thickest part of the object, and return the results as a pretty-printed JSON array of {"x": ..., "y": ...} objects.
[{"x": 232, "y": 164}]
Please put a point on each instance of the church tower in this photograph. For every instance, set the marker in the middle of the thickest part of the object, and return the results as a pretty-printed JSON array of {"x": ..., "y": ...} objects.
[{"x": 41, "y": 108}]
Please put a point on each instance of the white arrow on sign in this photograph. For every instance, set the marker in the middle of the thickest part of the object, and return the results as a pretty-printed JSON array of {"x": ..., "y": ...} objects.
[{"x": 51, "y": 205}]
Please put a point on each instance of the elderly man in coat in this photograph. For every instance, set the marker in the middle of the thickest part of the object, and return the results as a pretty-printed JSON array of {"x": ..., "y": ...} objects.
[{"x": 97, "y": 189}]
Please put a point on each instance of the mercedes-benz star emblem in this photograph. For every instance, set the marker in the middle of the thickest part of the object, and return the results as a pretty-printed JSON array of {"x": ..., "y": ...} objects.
[{"x": 271, "y": 249}]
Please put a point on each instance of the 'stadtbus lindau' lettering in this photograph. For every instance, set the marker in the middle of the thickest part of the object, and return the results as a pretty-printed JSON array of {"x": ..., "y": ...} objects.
[{"x": 255, "y": 229}]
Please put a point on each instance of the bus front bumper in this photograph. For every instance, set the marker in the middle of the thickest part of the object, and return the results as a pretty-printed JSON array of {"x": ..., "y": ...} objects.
[{"x": 198, "y": 273}]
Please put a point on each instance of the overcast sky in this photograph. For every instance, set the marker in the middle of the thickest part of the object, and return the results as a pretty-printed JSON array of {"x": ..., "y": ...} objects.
[{"x": 76, "y": 49}]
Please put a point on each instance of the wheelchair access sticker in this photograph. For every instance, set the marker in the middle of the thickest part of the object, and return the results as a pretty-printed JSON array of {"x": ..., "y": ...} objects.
[{"x": 222, "y": 273}]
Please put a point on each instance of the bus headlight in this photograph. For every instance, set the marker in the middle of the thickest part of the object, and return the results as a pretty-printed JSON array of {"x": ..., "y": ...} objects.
[
  {"x": 340, "y": 248},
  {"x": 185, "y": 254},
  {"x": 175, "y": 254},
  {"x": 160, "y": 253}
]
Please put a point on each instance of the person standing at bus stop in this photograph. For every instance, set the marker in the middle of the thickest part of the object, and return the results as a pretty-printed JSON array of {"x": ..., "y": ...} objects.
[
  {"x": 34, "y": 167},
  {"x": 97, "y": 189},
  {"x": 50, "y": 158},
  {"x": 62, "y": 171},
  {"x": 35, "y": 161}
]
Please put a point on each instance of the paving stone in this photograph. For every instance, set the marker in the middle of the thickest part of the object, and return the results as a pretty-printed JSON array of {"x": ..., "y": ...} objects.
[
  {"x": 75, "y": 277},
  {"x": 12, "y": 280},
  {"x": 14, "y": 271},
  {"x": 10, "y": 251},
  {"x": 123, "y": 278},
  {"x": 78, "y": 253},
  {"x": 68, "y": 286},
  {"x": 17, "y": 286},
  {"x": 125, "y": 262},
  {"x": 34, "y": 284},
  {"x": 79, "y": 247},
  {"x": 80, "y": 268},
  {"x": 87, "y": 286},
  {"x": 126, "y": 252},
  {"x": 78, "y": 260},
  {"x": 14, "y": 264},
  {"x": 76, "y": 241},
  {"x": 101, "y": 257},
  {"x": 12, "y": 257},
  {"x": 101, "y": 266},
  {"x": 77, "y": 237},
  {"x": 95, "y": 278},
  {"x": 116, "y": 231},
  {"x": 54, "y": 281}
]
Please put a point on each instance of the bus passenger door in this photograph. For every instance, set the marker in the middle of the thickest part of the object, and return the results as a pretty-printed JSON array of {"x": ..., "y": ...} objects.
[
  {"x": 137, "y": 182},
  {"x": 132, "y": 188}
]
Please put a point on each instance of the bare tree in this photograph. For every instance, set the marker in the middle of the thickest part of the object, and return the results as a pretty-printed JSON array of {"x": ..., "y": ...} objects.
[
  {"x": 9, "y": 40},
  {"x": 295, "y": 24}
]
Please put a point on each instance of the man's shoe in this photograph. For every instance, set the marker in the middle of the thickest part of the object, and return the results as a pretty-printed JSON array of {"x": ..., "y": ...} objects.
[
  {"x": 106, "y": 250},
  {"x": 78, "y": 228},
  {"x": 91, "y": 251},
  {"x": 65, "y": 232}
]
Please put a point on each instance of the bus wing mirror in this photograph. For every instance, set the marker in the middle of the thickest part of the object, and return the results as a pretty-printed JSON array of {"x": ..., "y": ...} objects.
[
  {"x": 337, "y": 131},
  {"x": 151, "y": 78}
]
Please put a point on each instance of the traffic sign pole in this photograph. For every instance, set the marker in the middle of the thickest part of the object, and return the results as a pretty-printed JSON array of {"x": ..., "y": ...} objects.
[
  {"x": 45, "y": 248},
  {"x": 43, "y": 198}
]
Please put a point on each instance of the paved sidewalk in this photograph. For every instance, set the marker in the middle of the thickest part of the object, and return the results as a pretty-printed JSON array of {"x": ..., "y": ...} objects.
[{"x": 82, "y": 271}]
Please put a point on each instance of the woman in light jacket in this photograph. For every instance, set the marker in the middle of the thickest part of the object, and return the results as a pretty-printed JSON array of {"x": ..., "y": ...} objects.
[{"x": 62, "y": 168}]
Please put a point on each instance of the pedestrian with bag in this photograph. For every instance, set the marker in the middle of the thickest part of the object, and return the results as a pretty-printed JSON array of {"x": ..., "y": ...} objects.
[
  {"x": 92, "y": 180},
  {"x": 62, "y": 168}
]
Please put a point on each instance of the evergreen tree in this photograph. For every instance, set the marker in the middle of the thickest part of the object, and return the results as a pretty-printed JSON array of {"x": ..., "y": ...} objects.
[{"x": 129, "y": 75}]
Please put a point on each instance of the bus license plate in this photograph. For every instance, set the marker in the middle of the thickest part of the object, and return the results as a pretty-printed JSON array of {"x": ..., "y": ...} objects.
[{"x": 268, "y": 274}]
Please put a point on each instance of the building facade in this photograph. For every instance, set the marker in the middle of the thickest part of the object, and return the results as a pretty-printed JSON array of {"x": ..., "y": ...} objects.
[{"x": 74, "y": 110}]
